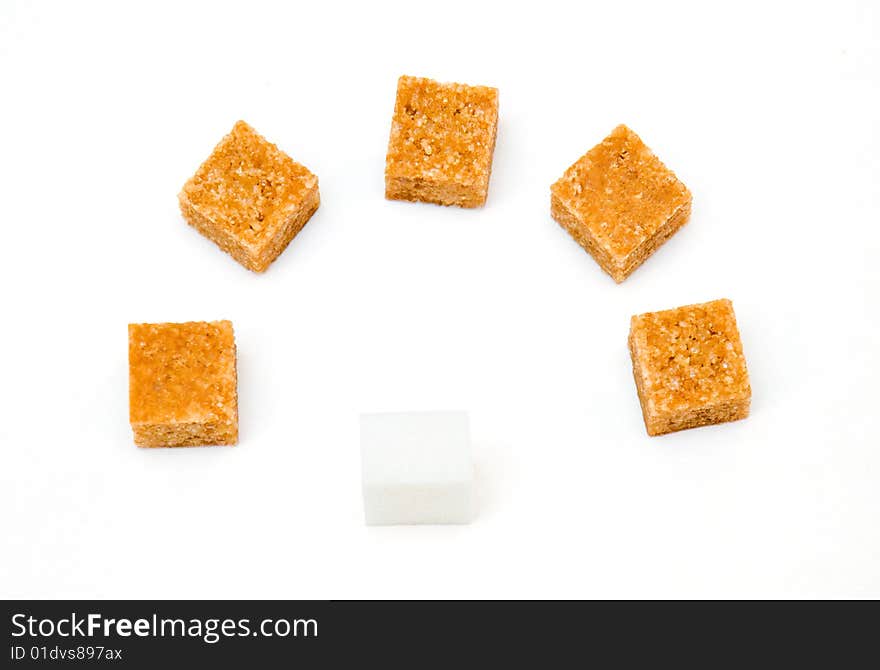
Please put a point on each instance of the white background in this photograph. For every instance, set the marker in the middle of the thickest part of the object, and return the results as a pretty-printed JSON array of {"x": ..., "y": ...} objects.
[{"x": 767, "y": 111}]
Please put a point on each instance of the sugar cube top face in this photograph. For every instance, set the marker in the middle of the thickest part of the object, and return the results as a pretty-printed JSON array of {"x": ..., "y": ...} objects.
[
  {"x": 689, "y": 367},
  {"x": 416, "y": 468},
  {"x": 441, "y": 144},
  {"x": 182, "y": 384},
  {"x": 250, "y": 198},
  {"x": 620, "y": 202}
]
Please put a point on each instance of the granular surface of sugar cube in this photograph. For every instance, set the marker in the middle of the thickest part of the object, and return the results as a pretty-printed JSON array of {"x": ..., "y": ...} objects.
[
  {"x": 441, "y": 144},
  {"x": 417, "y": 468},
  {"x": 689, "y": 367},
  {"x": 250, "y": 198},
  {"x": 620, "y": 202},
  {"x": 182, "y": 384}
]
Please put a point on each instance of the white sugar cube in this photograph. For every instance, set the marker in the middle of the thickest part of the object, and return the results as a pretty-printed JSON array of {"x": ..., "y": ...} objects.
[{"x": 416, "y": 468}]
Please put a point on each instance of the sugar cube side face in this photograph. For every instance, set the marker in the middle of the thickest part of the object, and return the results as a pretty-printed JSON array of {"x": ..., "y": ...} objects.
[{"x": 417, "y": 468}]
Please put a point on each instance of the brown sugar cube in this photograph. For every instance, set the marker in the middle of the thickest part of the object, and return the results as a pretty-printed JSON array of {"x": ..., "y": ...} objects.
[
  {"x": 689, "y": 367},
  {"x": 249, "y": 198},
  {"x": 620, "y": 202},
  {"x": 182, "y": 384},
  {"x": 441, "y": 144}
]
